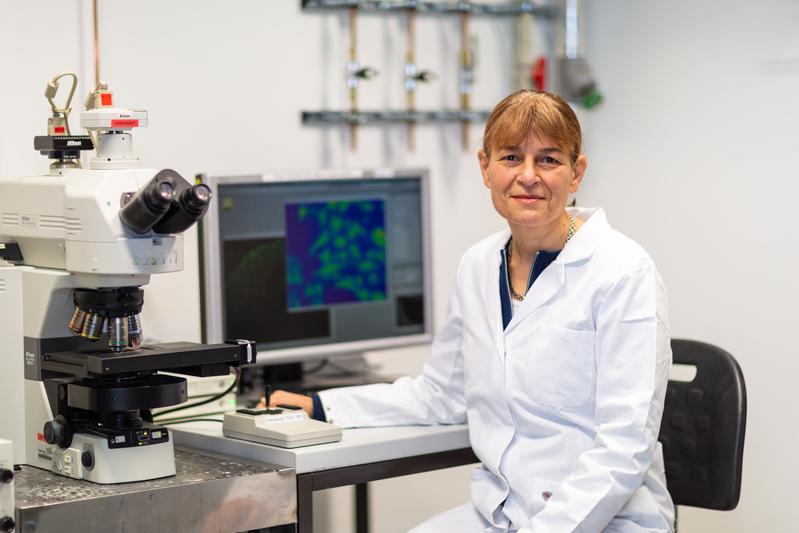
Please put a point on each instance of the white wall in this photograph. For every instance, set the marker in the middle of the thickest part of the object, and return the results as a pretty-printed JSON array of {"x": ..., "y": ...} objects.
[
  {"x": 224, "y": 83},
  {"x": 692, "y": 154}
]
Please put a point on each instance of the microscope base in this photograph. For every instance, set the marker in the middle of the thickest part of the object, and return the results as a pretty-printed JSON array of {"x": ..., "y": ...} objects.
[{"x": 90, "y": 458}]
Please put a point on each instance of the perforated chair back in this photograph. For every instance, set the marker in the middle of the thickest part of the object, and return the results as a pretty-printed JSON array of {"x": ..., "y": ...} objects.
[{"x": 703, "y": 427}]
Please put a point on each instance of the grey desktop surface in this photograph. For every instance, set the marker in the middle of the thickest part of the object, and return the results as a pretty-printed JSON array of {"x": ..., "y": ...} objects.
[
  {"x": 357, "y": 446},
  {"x": 210, "y": 491}
]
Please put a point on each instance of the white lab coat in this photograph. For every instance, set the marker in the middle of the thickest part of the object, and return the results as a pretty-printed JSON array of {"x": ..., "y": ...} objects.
[{"x": 564, "y": 405}]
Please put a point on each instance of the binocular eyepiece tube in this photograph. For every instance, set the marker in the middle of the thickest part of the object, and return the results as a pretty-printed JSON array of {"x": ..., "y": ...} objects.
[
  {"x": 168, "y": 204},
  {"x": 145, "y": 208}
]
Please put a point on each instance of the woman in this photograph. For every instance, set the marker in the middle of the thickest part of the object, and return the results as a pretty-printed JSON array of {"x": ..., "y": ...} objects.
[{"x": 555, "y": 350}]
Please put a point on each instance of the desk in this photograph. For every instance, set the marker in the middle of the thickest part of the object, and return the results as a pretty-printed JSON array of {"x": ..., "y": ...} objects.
[{"x": 362, "y": 455}]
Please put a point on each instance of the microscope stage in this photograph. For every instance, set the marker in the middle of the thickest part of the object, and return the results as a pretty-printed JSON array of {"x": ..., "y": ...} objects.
[
  {"x": 276, "y": 427},
  {"x": 174, "y": 356}
]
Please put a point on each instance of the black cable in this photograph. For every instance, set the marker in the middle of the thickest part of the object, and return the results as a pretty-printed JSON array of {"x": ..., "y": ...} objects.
[
  {"x": 203, "y": 402},
  {"x": 190, "y": 420}
]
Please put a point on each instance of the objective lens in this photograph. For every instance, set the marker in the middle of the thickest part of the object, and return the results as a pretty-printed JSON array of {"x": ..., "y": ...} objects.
[
  {"x": 134, "y": 331},
  {"x": 77, "y": 320},
  {"x": 93, "y": 326},
  {"x": 118, "y": 333}
]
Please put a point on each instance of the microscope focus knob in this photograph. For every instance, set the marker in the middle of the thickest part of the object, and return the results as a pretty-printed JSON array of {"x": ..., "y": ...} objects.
[
  {"x": 6, "y": 475},
  {"x": 87, "y": 459},
  {"x": 58, "y": 432},
  {"x": 7, "y": 524}
]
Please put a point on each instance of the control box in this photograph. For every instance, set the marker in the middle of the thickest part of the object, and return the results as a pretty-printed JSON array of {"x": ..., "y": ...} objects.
[
  {"x": 277, "y": 427},
  {"x": 6, "y": 487}
]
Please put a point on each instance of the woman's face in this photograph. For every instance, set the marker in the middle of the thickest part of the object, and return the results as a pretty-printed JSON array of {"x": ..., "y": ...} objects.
[{"x": 530, "y": 184}]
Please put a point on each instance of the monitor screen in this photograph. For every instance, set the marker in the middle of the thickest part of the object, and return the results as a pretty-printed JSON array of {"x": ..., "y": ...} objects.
[{"x": 310, "y": 266}]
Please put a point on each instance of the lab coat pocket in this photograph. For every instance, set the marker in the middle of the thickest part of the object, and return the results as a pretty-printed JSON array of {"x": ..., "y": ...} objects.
[{"x": 560, "y": 369}]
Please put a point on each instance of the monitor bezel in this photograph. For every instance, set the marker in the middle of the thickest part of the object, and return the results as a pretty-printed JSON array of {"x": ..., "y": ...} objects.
[{"x": 210, "y": 272}]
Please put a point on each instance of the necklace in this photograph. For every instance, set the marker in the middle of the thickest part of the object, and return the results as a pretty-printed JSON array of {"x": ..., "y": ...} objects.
[{"x": 513, "y": 294}]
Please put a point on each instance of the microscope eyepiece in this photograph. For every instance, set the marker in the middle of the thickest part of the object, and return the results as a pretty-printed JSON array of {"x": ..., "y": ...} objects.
[
  {"x": 145, "y": 208},
  {"x": 189, "y": 207},
  {"x": 166, "y": 191},
  {"x": 196, "y": 198}
]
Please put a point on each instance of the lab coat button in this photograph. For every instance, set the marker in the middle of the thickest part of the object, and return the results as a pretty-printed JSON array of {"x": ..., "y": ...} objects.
[{"x": 546, "y": 495}]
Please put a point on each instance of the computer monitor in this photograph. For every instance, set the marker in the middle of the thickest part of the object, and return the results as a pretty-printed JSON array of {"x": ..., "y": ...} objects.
[{"x": 317, "y": 265}]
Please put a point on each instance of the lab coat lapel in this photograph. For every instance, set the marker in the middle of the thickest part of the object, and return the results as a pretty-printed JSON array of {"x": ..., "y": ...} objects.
[
  {"x": 492, "y": 308},
  {"x": 553, "y": 279},
  {"x": 548, "y": 284}
]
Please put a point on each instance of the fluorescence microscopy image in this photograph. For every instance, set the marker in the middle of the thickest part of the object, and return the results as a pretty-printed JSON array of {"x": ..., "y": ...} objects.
[
  {"x": 335, "y": 252},
  {"x": 255, "y": 301}
]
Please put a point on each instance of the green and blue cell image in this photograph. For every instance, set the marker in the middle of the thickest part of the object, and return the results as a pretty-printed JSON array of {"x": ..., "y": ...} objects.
[{"x": 335, "y": 252}]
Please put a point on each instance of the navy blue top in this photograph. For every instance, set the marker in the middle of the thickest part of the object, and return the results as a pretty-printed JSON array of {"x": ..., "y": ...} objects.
[{"x": 542, "y": 260}]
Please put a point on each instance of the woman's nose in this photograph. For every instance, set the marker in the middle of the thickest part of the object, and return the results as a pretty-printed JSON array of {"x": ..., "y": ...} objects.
[{"x": 527, "y": 173}]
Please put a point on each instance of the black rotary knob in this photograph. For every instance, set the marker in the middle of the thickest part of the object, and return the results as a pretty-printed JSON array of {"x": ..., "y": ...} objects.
[
  {"x": 87, "y": 459},
  {"x": 7, "y": 524},
  {"x": 57, "y": 431},
  {"x": 6, "y": 475}
]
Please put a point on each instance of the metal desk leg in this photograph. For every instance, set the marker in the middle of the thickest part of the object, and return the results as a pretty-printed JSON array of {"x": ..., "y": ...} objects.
[
  {"x": 305, "y": 503},
  {"x": 362, "y": 508}
]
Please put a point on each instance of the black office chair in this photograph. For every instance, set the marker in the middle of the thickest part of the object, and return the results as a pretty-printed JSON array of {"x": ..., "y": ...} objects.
[{"x": 703, "y": 427}]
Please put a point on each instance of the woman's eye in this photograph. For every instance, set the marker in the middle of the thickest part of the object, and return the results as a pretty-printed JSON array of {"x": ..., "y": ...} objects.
[
  {"x": 547, "y": 160},
  {"x": 510, "y": 157}
]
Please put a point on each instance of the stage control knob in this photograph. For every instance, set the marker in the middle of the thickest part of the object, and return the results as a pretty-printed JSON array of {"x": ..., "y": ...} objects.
[
  {"x": 7, "y": 524},
  {"x": 87, "y": 459},
  {"x": 58, "y": 432},
  {"x": 6, "y": 475}
]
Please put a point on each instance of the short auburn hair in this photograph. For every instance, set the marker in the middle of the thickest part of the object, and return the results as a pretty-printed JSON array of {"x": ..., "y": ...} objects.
[{"x": 528, "y": 112}]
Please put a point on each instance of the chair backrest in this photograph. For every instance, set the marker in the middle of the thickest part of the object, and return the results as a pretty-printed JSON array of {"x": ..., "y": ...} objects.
[{"x": 703, "y": 427}]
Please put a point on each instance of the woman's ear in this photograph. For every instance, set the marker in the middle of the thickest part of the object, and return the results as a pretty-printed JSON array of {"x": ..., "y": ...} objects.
[
  {"x": 482, "y": 157},
  {"x": 578, "y": 171}
]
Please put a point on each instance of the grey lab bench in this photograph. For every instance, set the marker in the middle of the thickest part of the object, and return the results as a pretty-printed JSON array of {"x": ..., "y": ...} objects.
[
  {"x": 209, "y": 492},
  {"x": 362, "y": 455}
]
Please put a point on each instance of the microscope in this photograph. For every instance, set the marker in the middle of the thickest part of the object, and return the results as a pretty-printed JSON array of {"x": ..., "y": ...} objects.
[{"x": 76, "y": 248}]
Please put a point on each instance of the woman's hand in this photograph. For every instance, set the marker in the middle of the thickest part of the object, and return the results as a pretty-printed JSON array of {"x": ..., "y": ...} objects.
[{"x": 290, "y": 398}]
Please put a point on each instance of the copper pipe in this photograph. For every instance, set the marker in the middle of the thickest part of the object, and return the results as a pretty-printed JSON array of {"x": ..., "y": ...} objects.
[
  {"x": 96, "y": 45},
  {"x": 353, "y": 57},
  {"x": 465, "y": 65},
  {"x": 410, "y": 92}
]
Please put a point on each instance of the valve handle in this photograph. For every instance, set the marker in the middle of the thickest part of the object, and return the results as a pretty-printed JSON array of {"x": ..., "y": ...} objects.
[{"x": 366, "y": 73}]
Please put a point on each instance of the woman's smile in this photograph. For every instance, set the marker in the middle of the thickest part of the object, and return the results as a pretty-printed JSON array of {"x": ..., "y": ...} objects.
[{"x": 527, "y": 199}]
